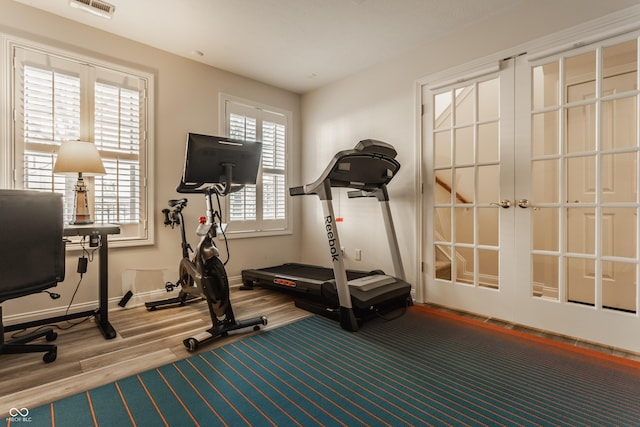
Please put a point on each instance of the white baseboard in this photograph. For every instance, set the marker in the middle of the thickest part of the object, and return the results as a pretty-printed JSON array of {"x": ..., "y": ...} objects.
[
  {"x": 48, "y": 313},
  {"x": 137, "y": 300}
]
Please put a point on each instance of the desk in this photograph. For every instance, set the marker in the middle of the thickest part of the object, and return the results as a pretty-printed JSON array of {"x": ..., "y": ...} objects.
[{"x": 102, "y": 312}]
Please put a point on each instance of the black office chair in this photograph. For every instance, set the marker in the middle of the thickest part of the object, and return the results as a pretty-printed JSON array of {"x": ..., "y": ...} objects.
[{"x": 32, "y": 257}]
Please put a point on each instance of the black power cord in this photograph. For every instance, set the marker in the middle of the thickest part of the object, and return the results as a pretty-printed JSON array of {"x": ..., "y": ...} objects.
[
  {"x": 219, "y": 215},
  {"x": 82, "y": 269}
]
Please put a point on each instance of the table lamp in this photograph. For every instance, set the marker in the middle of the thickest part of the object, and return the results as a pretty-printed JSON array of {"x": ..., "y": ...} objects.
[{"x": 82, "y": 158}]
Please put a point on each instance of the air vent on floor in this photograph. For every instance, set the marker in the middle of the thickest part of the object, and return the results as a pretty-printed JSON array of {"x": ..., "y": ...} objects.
[{"x": 96, "y": 7}]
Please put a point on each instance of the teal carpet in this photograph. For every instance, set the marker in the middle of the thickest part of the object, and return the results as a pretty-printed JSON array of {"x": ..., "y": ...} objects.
[{"x": 424, "y": 368}]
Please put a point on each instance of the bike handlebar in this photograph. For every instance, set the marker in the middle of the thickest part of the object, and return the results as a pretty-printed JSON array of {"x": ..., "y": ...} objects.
[{"x": 203, "y": 188}]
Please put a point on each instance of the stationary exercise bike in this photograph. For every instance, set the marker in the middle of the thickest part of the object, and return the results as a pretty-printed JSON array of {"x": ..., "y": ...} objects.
[
  {"x": 173, "y": 217},
  {"x": 204, "y": 275}
]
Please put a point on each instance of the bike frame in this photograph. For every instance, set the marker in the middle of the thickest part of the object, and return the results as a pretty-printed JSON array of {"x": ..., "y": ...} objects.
[{"x": 204, "y": 275}]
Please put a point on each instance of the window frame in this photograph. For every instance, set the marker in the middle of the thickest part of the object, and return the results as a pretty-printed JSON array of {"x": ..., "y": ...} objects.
[
  {"x": 255, "y": 228},
  {"x": 11, "y": 171}
]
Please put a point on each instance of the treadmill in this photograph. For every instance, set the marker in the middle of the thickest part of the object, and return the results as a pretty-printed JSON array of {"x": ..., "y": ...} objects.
[{"x": 349, "y": 296}]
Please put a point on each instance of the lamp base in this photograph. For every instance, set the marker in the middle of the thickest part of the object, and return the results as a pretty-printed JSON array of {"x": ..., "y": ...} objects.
[
  {"x": 82, "y": 215},
  {"x": 81, "y": 222}
]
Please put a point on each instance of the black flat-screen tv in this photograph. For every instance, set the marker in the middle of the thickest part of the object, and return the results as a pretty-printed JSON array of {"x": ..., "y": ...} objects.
[{"x": 208, "y": 160}]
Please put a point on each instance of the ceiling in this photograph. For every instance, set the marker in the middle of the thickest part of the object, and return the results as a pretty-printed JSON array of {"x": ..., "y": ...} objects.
[{"x": 297, "y": 45}]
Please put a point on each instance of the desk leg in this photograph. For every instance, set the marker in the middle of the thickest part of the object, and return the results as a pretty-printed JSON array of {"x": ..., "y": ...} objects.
[{"x": 102, "y": 315}]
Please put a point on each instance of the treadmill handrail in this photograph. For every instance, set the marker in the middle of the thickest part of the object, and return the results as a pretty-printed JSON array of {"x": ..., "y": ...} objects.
[{"x": 365, "y": 149}]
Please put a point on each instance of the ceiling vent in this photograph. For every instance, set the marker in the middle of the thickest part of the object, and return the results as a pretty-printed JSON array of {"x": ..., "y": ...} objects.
[{"x": 96, "y": 7}]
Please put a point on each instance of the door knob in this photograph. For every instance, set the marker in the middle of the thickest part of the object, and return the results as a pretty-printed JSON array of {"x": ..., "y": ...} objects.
[
  {"x": 506, "y": 203},
  {"x": 524, "y": 203}
]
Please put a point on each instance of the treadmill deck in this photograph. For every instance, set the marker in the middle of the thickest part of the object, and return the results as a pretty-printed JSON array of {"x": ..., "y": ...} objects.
[{"x": 319, "y": 282}]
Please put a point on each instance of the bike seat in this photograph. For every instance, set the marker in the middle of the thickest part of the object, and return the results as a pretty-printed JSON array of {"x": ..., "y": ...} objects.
[{"x": 178, "y": 202}]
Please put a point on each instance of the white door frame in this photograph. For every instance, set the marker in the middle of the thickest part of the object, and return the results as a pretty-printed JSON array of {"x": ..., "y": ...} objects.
[{"x": 604, "y": 28}]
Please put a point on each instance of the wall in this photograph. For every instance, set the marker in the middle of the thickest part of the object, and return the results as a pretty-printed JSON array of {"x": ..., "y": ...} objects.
[
  {"x": 186, "y": 99},
  {"x": 380, "y": 103},
  {"x": 375, "y": 103}
]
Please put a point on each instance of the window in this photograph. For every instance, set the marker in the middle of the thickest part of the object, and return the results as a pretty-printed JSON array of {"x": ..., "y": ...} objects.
[
  {"x": 261, "y": 207},
  {"x": 58, "y": 98}
]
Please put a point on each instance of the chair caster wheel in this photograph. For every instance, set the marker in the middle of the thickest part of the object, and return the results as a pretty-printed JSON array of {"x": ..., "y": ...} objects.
[
  {"x": 263, "y": 320},
  {"x": 191, "y": 344},
  {"x": 49, "y": 357},
  {"x": 51, "y": 336}
]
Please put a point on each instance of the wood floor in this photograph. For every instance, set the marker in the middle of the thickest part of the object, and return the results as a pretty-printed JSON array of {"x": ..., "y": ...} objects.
[{"x": 145, "y": 340}]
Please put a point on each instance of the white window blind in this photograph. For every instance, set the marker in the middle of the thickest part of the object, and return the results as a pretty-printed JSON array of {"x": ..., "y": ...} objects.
[
  {"x": 59, "y": 98},
  {"x": 262, "y": 207},
  {"x": 243, "y": 203},
  {"x": 117, "y": 135},
  {"x": 273, "y": 171},
  {"x": 51, "y": 114}
]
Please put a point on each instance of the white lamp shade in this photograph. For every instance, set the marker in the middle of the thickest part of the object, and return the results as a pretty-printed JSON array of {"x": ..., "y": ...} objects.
[{"x": 78, "y": 156}]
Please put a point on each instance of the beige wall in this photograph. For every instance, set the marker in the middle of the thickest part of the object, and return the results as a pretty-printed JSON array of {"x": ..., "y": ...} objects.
[
  {"x": 186, "y": 99},
  {"x": 380, "y": 103},
  {"x": 375, "y": 103}
]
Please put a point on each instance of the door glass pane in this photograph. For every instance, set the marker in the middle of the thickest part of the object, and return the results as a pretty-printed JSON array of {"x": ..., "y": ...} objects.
[
  {"x": 442, "y": 224},
  {"x": 619, "y": 177},
  {"x": 580, "y": 279},
  {"x": 619, "y": 286},
  {"x": 488, "y": 268},
  {"x": 465, "y": 265},
  {"x": 545, "y": 276},
  {"x": 544, "y": 181},
  {"x": 580, "y": 177},
  {"x": 489, "y": 230},
  {"x": 442, "y": 262},
  {"x": 464, "y": 145},
  {"x": 464, "y": 225},
  {"x": 464, "y": 103},
  {"x": 488, "y": 183},
  {"x": 619, "y": 227},
  {"x": 545, "y": 85},
  {"x": 619, "y": 124},
  {"x": 580, "y": 77},
  {"x": 442, "y": 111},
  {"x": 544, "y": 134},
  {"x": 581, "y": 230},
  {"x": 442, "y": 186},
  {"x": 464, "y": 185},
  {"x": 442, "y": 149},
  {"x": 488, "y": 138},
  {"x": 617, "y": 60},
  {"x": 581, "y": 129},
  {"x": 488, "y": 97},
  {"x": 547, "y": 232}
]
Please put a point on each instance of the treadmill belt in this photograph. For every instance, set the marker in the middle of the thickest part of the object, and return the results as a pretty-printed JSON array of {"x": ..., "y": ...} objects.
[{"x": 311, "y": 272}]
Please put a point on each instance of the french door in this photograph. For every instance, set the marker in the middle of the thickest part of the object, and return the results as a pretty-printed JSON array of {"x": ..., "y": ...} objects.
[
  {"x": 469, "y": 132},
  {"x": 531, "y": 213}
]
